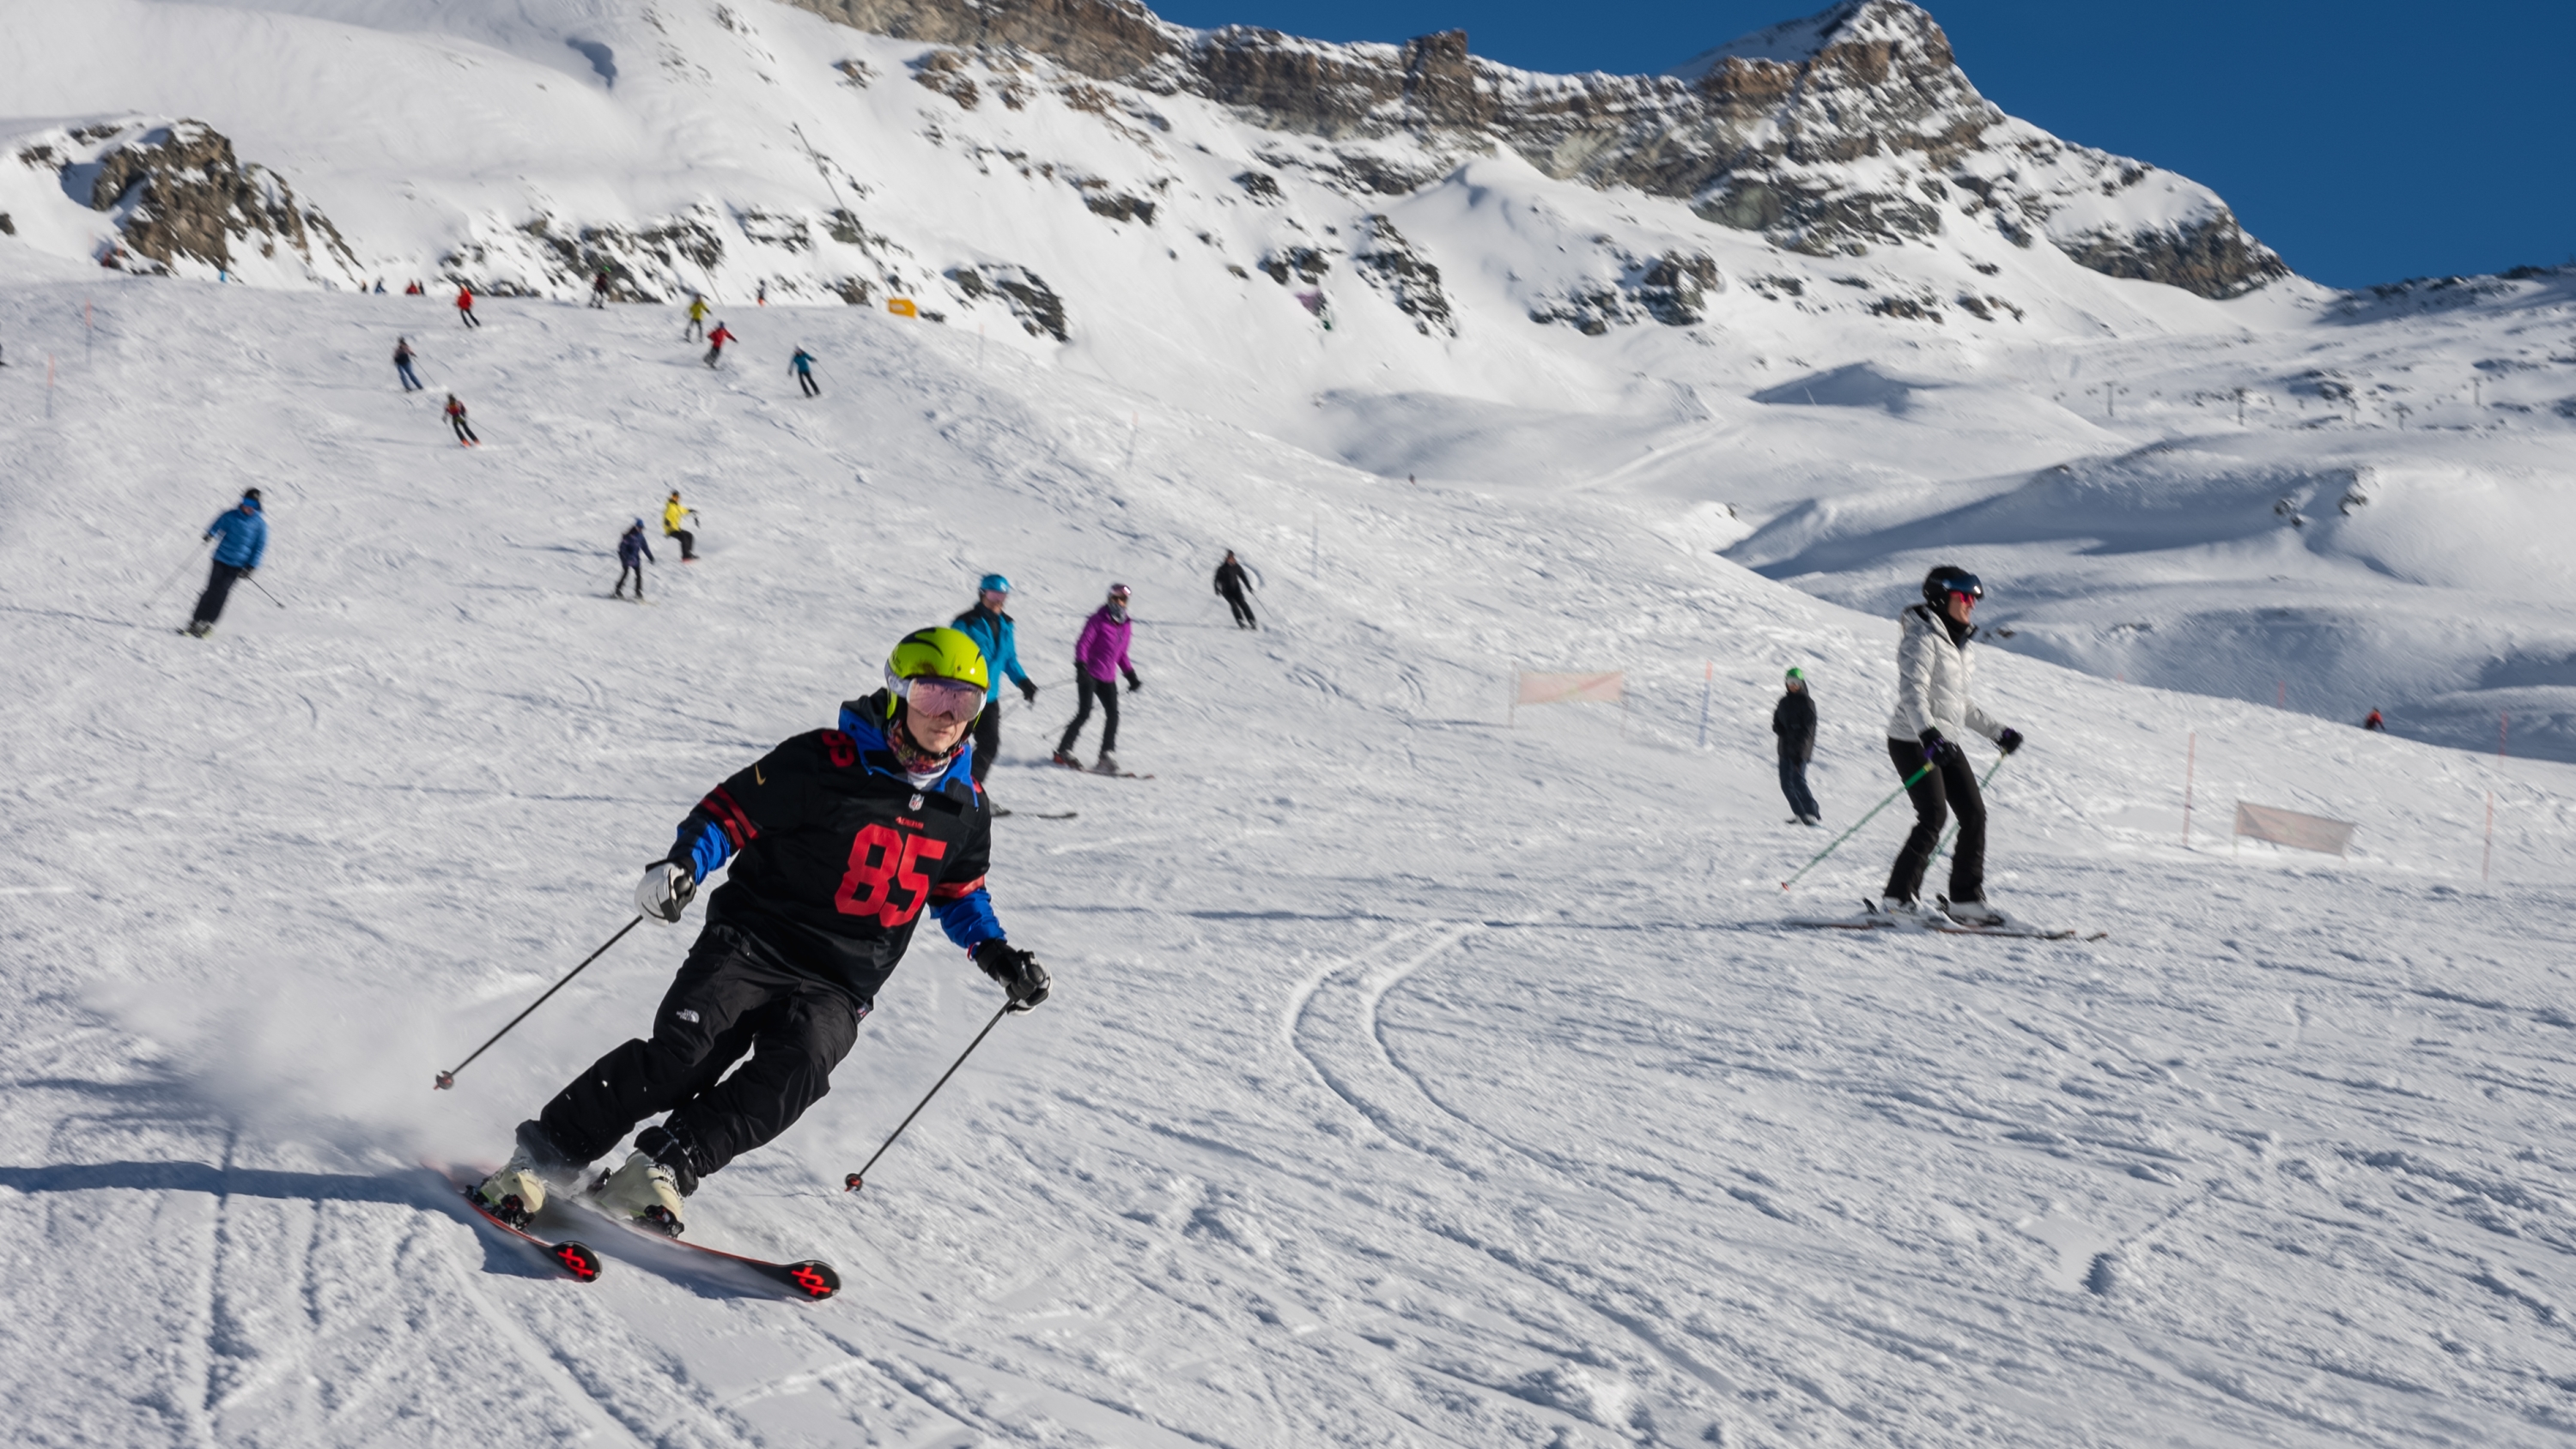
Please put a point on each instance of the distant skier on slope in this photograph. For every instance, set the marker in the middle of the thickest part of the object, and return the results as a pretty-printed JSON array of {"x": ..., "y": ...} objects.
[
  {"x": 632, "y": 551},
  {"x": 1793, "y": 720},
  {"x": 402, "y": 365},
  {"x": 2375, "y": 723},
  {"x": 1932, "y": 692},
  {"x": 994, "y": 633},
  {"x": 243, "y": 529},
  {"x": 465, "y": 305},
  {"x": 842, "y": 837},
  {"x": 1232, "y": 582},
  {"x": 802, "y": 364},
  {"x": 456, "y": 419},
  {"x": 1098, "y": 657},
  {"x": 673, "y": 514},
  {"x": 697, "y": 319},
  {"x": 715, "y": 343},
  {"x": 599, "y": 289}
]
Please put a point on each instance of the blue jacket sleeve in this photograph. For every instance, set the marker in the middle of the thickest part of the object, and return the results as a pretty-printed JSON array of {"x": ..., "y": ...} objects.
[
  {"x": 258, "y": 542},
  {"x": 1011, "y": 655},
  {"x": 969, "y": 919}
]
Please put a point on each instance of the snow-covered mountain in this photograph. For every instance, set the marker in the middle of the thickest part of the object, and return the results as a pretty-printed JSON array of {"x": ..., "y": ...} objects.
[{"x": 1809, "y": 279}]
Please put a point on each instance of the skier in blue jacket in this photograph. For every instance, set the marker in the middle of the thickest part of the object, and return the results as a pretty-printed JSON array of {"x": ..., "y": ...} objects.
[
  {"x": 632, "y": 550},
  {"x": 991, "y": 630},
  {"x": 243, "y": 530}
]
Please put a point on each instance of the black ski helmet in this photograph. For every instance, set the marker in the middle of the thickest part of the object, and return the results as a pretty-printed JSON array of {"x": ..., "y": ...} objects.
[{"x": 1950, "y": 579}]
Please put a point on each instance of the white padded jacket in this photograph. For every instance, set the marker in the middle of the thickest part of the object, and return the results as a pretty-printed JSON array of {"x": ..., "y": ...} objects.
[{"x": 1932, "y": 683}]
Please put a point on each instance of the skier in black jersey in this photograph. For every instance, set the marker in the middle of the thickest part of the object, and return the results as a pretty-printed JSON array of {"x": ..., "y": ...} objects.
[{"x": 839, "y": 839}]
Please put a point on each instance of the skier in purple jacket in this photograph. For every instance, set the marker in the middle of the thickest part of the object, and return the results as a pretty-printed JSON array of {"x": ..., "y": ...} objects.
[{"x": 1099, "y": 657}]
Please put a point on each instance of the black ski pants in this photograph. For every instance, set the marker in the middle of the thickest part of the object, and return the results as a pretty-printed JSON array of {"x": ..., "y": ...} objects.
[
  {"x": 688, "y": 546},
  {"x": 219, "y": 587},
  {"x": 1952, "y": 782},
  {"x": 467, "y": 313},
  {"x": 464, "y": 430},
  {"x": 988, "y": 739},
  {"x": 733, "y": 999},
  {"x": 622, "y": 571},
  {"x": 1087, "y": 689},
  {"x": 806, "y": 381},
  {"x": 1793, "y": 783},
  {"x": 1242, "y": 610}
]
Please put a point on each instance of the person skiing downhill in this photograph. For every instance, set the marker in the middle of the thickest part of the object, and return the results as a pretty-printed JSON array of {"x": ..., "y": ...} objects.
[
  {"x": 840, "y": 838},
  {"x": 802, "y": 364},
  {"x": 244, "y": 531},
  {"x": 994, "y": 634},
  {"x": 1232, "y": 580},
  {"x": 715, "y": 343},
  {"x": 2375, "y": 723},
  {"x": 1793, "y": 720},
  {"x": 1100, "y": 655},
  {"x": 632, "y": 551},
  {"x": 465, "y": 306},
  {"x": 456, "y": 419},
  {"x": 599, "y": 289},
  {"x": 673, "y": 511},
  {"x": 1931, "y": 694},
  {"x": 697, "y": 319},
  {"x": 402, "y": 365}
]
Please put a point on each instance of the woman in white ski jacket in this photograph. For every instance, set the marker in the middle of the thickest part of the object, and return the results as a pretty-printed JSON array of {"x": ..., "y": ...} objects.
[{"x": 1933, "y": 711}]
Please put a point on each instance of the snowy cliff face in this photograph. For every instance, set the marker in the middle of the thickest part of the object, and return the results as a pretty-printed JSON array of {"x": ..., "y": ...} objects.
[{"x": 1827, "y": 135}]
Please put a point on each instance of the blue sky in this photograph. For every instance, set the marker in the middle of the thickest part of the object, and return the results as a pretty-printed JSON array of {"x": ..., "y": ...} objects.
[{"x": 2367, "y": 141}]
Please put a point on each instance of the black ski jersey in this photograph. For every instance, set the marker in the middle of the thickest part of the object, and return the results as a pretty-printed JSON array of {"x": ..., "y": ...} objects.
[{"x": 835, "y": 853}]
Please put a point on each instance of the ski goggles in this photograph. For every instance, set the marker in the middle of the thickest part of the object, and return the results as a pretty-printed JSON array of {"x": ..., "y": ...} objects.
[
  {"x": 952, "y": 698},
  {"x": 1966, "y": 584}
]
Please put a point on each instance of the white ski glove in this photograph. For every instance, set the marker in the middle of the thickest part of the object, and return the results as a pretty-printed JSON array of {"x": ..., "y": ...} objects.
[{"x": 664, "y": 891}]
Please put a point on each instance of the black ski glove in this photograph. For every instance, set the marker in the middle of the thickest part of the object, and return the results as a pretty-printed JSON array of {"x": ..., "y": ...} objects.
[
  {"x": 1028, "y": 691},
  {"x": 1935, "y": 745},
  {"x": 1133, "y": 683},
  {"x": 1017, "y": 970},
  {"x": 2008, "y": 741},
  {"x": 665, "y": 890}
]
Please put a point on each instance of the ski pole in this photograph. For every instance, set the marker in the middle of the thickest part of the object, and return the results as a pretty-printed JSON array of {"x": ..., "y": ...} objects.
[
  {"x": 858, "y": 1179},
  {"x": 264, "y": 593},
  {"x": 447, "y": 1079},
  {"x": 175, "y": 573},
  {"x": 1981, "y": 790},
  {"x": 1857, "y": 824}
]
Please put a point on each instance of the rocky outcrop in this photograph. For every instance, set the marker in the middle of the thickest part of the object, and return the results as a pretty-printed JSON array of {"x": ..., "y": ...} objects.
[
  {"x": 1832, "y": 134},
  {"x": 177, "y": 192},
  {"x": 1670, "y": 289},
  {"x": 1039, "y": 310}
]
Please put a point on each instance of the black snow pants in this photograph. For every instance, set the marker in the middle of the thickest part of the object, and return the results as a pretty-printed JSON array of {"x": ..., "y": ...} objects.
[
  {"x": 623, "y": 570},
  {"x": 1087, "y": 689},
  {"x": 1956, "y": 781},
  {"x": 733, "y": 998},
  {"x": 219, "y": 587},
  {"x": 688, "y": 547},
  {"x": 1242, "y": 611},
  {"x": 464, "y": 430},
  {"x": 806, "y": 381},
  {"x": 988, "y": 739}
]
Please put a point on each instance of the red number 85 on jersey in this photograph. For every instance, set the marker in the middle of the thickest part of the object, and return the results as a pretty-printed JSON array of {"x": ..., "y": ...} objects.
[{"x": 882, "y": 859}]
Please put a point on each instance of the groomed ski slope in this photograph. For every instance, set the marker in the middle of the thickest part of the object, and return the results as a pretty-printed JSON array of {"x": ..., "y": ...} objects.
[{"x": 1409, "y": 1079}]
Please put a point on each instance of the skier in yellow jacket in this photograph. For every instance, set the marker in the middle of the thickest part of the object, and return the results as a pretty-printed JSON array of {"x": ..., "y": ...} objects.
[
  {"x": 672, "y": 514},
  {"x": 698, "y": 311}
]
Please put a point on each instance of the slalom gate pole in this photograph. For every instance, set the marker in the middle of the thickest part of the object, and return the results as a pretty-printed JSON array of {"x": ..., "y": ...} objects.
[
  {"x": 859, "y": 1179},
  {"x": 264, "y": 593},
  {"x": 447, "y": 1079},
  {"x": 1857, "y": 824},
  {"x": 1953, "y": 833},
  {"x": 175, "y": 573}
]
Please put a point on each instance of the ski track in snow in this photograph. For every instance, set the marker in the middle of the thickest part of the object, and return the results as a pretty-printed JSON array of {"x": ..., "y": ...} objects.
[{"x": 1410, "y": 1079}]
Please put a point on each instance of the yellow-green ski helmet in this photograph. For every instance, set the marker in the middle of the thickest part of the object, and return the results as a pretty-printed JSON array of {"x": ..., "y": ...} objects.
[{"x": 940, "y": 654}]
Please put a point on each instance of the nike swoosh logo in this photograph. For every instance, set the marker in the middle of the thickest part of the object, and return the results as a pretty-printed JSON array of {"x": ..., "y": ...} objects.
[{"x": 758, "y": 778}]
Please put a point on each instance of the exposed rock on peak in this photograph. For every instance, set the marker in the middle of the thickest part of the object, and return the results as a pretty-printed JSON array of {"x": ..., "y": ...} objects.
[{"x": 1851, "y": 128}]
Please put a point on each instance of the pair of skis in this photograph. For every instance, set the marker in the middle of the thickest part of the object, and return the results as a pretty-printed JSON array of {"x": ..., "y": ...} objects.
[
  {"x": 812, "y": 1278},
  {"x": 1871, "y": 918}
]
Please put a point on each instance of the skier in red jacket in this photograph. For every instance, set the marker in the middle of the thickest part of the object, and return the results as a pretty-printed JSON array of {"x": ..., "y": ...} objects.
[
  {"x": 715, "y": 343},
  {"x": 465, "y": 306}
]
